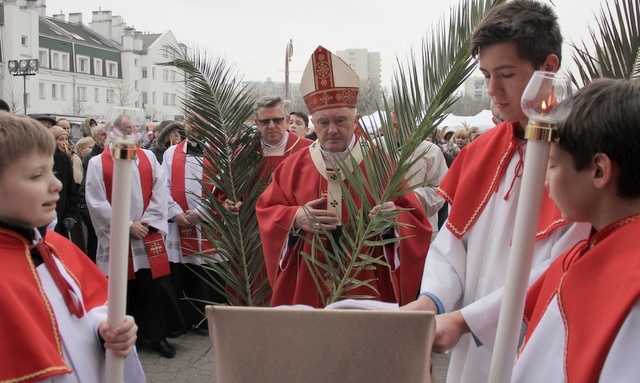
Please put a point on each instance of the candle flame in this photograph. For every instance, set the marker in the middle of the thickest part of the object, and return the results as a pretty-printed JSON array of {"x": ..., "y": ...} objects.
[{"x": 544, "y": 106}]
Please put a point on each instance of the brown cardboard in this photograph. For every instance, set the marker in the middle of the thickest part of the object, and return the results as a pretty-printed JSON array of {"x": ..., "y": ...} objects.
[{"x": 313, "y": 345}]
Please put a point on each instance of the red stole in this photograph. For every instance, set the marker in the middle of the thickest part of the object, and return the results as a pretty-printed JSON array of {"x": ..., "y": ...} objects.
[
  {"x": 476, "y": 174},
  {"x": 153, "y": 242},
  {"x": 599, "y": 275},
  {"x": 189, "y": 242},
  {"x": 31, "y": 345}
]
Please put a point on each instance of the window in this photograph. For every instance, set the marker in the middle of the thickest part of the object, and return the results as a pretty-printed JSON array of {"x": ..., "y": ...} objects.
[
  {"x": 153, "y": 98},
  {"x": 64, "y": 57},
  {"x": 173, "y": 76},
  {"x": 135, "y": 85},
  {"x": 165, "y": 99},
  {"x": 24, "y": 40},
  {"x": 41, "y": 90},
  {"x": 82, "y": 93},
  {"x": 83, "y": 64},
  {"x": 111, "y": 96},
  {"x": 112, "y": 69},
  {"x": 144, "y": 98},
  {"x": 135, "y": 62},
  {"x": 97, "y": 67},
  {"x": 144, "y": 72},
  {"x": 55, "y": 60},
  {"x": 174, "y": 99},
  {"x": 165, "y": 74},
  {"x": 54, "y": 91},
  {"x": 165, "y": 51},
  {"x": 63, "y": 92},
  {"x": 96, "y": 94},
  {"x": 153, "y": 73},
  {"x": 43, "y": 57}
]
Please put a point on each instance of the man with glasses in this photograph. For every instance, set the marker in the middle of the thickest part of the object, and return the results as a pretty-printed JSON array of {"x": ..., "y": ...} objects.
[{"x": 277, "y": 142}]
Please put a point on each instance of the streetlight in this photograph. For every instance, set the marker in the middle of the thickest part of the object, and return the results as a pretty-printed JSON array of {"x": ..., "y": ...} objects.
[
  {"x": 288, "y": 55},
  {"x": 24, "y": 68}
]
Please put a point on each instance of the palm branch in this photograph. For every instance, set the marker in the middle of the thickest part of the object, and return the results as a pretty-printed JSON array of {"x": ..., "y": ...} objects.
[
  {"x": 422, "y": 93},
  {"x": 217, "y": 107},
  {"x": 616, "y": 45}
]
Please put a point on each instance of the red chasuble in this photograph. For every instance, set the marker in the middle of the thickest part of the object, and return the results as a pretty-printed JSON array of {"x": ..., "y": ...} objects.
[
  {"x": 153, "y": 242},
  {"x": 31, "y": 347},
  {"x": 599, "y": 275},
  {"x": 475, "y": 176},
  {"x": 296, "y": 182}
]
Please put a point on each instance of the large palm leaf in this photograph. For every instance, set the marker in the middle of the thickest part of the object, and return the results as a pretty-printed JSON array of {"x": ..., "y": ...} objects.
[
  {"x": 423, "y": 91},
  {"x": 217, "y": 107},
  {"x": 616, "y": 45}
]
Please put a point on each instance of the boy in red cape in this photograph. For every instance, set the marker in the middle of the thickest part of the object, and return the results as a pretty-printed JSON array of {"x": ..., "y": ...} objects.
[
  {"x": 467, "y": 262},
  {"x": 53, "y": 327},
  {"x": 583, "y": 313}
]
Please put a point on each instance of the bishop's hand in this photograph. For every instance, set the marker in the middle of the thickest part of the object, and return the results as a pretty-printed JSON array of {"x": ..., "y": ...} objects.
[{"x": 312, "y": 218}]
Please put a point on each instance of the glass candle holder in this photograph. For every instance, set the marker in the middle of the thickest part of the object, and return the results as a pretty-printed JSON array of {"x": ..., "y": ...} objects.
[{"x": 547, "y": 102}]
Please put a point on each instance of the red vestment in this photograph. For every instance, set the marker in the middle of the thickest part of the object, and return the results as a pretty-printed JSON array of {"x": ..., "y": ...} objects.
[
  {"x": 477, "y": 172},
  {"x": 294, "y": 144},
  {"x": 599, "y": 275},
  {"x": 31, "y": 345},
  {"x": 298, "y": 181}
]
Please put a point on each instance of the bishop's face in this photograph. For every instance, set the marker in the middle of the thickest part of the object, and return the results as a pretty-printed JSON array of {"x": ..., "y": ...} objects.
[{"x": 335, "y": 127}]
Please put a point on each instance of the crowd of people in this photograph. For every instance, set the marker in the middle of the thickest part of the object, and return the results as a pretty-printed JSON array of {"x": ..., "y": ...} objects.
[{"x": 56, "y": 191}]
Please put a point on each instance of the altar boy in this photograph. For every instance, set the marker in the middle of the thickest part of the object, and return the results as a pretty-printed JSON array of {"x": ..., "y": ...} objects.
[
  {"x": 53, "y": 325},
  {"x": 582, "y": 313}
]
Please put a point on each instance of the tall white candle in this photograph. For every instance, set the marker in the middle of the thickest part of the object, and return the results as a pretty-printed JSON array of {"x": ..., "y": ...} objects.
[{"x": 118, "y": 259}]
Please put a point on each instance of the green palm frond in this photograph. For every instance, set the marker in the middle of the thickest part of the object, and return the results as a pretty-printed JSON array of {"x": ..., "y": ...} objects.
[
  {"x": 616, "y": 45},
  {"x": 423, "y": 91},
  {"x": 217, "y": 107}
]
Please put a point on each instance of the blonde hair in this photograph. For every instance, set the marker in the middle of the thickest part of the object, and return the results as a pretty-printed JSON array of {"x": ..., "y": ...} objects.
[
  {"x": 461, "y": 133},
  {"x": 21, "y": 135},
  {"x": 83, "y": 143}
]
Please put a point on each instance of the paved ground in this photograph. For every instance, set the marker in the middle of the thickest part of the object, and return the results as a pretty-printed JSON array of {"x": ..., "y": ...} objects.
[{"x": 193, "y": 362}]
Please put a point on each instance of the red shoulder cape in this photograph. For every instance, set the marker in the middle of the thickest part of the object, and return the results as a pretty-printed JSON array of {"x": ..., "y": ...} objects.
[
  {"x": 475, "y": 176},
  {"x": 599, "y": 275},
  {"x": 31, "y": 345}
]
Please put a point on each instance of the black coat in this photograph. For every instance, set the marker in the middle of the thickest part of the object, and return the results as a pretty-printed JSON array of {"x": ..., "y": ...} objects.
[{"x": 67, "y": 206}]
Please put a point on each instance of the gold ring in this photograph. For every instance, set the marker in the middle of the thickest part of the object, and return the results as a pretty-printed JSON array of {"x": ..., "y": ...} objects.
[{"x": 316, "y": 226}]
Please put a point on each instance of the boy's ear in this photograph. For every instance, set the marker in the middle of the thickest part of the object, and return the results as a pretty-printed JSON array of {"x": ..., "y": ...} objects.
[
  {"x": 551, "y": 64},
  {"x": 603, "y": 171}
]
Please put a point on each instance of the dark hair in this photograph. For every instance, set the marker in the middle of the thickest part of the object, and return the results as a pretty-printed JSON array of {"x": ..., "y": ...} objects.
[
  {"x": 605, "y": 118},
  {"x": 302, "y": 115},
  {"x": 531, "y": 25},
  {"x": 4, "y": 106}
]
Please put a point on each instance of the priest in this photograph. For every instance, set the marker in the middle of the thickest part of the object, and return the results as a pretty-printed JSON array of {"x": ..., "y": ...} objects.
[{"x": 305, "y": 197}]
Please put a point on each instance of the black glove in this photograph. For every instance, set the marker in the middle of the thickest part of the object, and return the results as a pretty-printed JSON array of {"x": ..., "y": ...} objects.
[{"x": 68, "y": 223}]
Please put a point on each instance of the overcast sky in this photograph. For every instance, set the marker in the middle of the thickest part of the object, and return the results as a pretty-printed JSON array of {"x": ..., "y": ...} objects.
[{"x": 253, "y": 34}]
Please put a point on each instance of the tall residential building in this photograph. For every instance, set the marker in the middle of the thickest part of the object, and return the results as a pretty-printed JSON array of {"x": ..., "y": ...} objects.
[
  {"x": 366, "y": 65},
  {"x": 475, "y": 89}
]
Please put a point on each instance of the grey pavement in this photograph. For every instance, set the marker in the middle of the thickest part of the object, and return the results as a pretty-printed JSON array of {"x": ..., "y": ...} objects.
[{"x": 194, "y": 362}]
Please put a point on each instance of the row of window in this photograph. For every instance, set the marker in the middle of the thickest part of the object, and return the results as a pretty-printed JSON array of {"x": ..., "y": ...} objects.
[
  {"x": 50, "y": 58},
  {"x": 59, "y": 92}
]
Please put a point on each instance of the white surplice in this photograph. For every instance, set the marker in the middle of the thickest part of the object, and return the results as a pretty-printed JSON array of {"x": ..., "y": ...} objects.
[
  {"x": 79, "y": 337},
  {"x": 193, "y": 186},
  {"x": 100, "y": 209},
  {"x": 461, "y": 272},
  {"x": 542, "y": 360}
]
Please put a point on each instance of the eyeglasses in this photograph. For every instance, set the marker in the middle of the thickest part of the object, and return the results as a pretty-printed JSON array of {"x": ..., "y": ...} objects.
[{"x": 267, "y": 121}]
